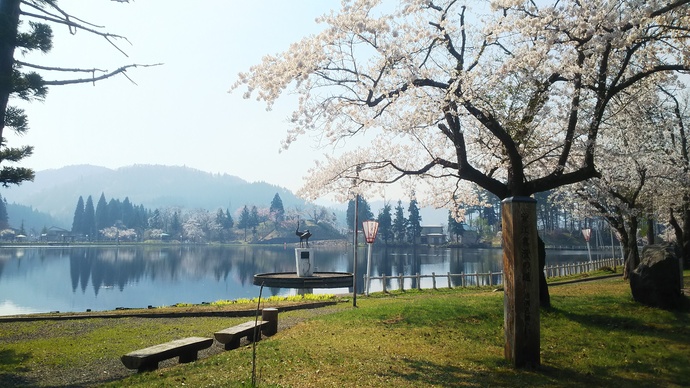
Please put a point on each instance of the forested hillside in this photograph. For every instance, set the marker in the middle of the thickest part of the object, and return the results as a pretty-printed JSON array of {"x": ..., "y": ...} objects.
[{"x": 56, "y": 191}]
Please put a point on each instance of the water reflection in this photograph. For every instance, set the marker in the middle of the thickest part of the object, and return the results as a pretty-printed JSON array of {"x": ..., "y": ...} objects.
[{"x": 104, "y": 278}]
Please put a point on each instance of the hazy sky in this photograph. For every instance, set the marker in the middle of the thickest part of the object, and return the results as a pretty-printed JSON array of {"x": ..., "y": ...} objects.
[{"x": 179, "y": 113}]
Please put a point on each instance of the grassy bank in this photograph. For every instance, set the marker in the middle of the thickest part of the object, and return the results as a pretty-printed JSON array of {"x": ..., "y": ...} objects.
[{"x": 595, "y": 335}]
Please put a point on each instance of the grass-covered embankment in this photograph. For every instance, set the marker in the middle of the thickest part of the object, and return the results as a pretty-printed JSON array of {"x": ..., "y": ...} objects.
[{"x": 595, "y": 335}]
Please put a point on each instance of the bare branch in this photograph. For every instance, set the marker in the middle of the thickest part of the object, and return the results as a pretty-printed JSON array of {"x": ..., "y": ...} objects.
[
  {"x": 107, "y": 36},
  {"x": 122, "y": 70}
]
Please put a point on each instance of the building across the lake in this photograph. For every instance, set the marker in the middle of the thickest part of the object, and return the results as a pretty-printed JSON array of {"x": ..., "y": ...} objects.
[
  {"x": 57, "y": 235},
  {"x": 432, "y": 235}
]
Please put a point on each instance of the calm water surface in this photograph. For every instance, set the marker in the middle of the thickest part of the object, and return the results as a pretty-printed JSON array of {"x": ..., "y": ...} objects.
[{"x": 73, "y": 279}]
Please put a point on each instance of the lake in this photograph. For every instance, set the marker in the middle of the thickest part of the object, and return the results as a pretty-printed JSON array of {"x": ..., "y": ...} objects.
[{"x": 77, "y": 278}]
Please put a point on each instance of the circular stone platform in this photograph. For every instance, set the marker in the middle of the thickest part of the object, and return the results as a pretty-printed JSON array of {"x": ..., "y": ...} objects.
[{"x": 291, "y": 280}]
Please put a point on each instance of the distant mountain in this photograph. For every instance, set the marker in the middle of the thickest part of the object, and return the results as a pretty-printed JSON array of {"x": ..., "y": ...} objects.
[
  {"x": 33, "y": 220},
  {"x": 56, "y": 191}
]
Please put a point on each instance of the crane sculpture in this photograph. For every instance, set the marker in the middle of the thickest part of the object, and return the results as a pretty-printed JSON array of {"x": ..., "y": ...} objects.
[{"x": 303, "y": 236}]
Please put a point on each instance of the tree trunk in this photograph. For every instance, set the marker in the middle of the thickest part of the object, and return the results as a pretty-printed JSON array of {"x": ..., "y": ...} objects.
[
  {"x": 9, "y": 20},
  {"x": 544, "y": 297},
  {"x": 682, "y": 232},
  {"x": 632, "y": 255},
  {"x": 684, "y": 242},
  {"x": 651, "y": 230}
]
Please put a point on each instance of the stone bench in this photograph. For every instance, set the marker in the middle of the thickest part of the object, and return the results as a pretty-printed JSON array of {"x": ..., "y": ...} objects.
[
  {"x": 231, "y": 336},
  {"x": 147, "y": 359}
]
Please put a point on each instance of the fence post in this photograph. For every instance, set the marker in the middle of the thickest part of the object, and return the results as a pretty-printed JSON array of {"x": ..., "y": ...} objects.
[
  {"x": 419, "y": 282},
  {"x": 400, "y": 282},
  {"x": 383, "y": 280},
  {"x": 476, "y": 275},
  {"x": 462, "y": 279},
  {"x": 450, "y": 285},
  {"x": 433, "y": 279},
  {"x": 491, "y": 279}
]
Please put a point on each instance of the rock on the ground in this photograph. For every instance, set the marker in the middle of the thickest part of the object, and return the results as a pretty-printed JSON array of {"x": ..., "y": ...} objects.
[{"x": 656, "y": 281}]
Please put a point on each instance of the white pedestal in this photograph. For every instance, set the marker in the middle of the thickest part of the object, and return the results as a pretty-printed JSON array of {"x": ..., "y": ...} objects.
[{"x": 305, "y": 260}]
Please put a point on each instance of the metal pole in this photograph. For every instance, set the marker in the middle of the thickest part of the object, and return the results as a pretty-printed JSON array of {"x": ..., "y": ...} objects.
[
  {"x": 613, "y": 253},
  {"x": 589, "y": 251},
  {"x": 354, "y": 266},
  {"x": 368, "y": 268}
]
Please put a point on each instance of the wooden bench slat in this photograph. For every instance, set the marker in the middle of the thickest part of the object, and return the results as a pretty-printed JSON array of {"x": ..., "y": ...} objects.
[
  {"x": 231, "y": 336},
  {"x": 148, "y": 358}
]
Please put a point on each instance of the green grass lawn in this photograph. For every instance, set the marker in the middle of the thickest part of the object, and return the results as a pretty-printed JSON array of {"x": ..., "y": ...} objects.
[{"x": 595, "y": 335}]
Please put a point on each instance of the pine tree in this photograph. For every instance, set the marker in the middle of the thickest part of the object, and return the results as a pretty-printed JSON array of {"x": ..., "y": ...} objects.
[
  {"x": 399, "y": 223},
  {"x": 455, "y": 227},
  {"x": 277, "y": 211},
  {"x": 385, "y": 224},
  {"x": 156, "y": 220},
  {"x": 228, "y": 219},
  {"x": 89, "y": 224},
  {"x": 102, "y": 213},
  {"x": 78, "y": 220},
  {"x": 254, "y": 220},
  {"x": 363, "y": 212},
  {"x": 176, "y": 226},
  {"x": 4, "y": 218},
  {"x": 244, "y": 221},
  {"x": 414, "y": 222},
  {"x": 128, "y": 215}
]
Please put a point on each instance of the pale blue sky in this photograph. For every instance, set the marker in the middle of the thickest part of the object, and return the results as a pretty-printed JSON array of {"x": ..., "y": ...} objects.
[{"x": 179, "y": 113}]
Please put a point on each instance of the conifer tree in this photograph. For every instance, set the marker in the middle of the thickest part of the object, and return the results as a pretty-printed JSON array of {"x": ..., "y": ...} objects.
[
  {"x": 385, "y": 220},
  {"x": 399, "y": 223},
  {"x": 176, "y": 225},
  {"x": 4, "y": 218},
  {"x": 455, "y": 227},
  {"x": 228, "y": 219},
  {"x": 363, "y": 212},
  {"x": 277, "y": 211},
  {"x": 128, "y": 214},
  {"x": 414, "y": 221},
  {"x": 89, "y": 224},
  {"x": 254, "y": 219},
  {"x": 244, "y": 221},
  {"x": 114, "y": 213},
  {"x": 102, "y": 213},
  {"x": 78, "y": 220}
]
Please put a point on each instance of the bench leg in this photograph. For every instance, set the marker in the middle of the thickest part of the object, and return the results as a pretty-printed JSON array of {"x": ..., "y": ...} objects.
[
  {"x": 251, "y": 338},
  {"x": 148, "y": 367},
  {"x": 233, "y": 344},
  {"x": 188, "y": 357}
]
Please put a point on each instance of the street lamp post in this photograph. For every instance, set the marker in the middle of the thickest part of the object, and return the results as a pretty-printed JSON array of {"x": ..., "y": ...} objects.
[{"x": 370, "y": 229}]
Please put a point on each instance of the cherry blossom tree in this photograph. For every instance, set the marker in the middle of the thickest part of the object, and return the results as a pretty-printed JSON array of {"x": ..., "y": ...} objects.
[
  {"x": 619, "y": 193},
  {"x": 644, "y": 171},
  {"x": 679, "y": 207},
  {"x": 509, "y": 95},
  {"x": 118, "y": 233},
  {"x": 200, "y": 225}
]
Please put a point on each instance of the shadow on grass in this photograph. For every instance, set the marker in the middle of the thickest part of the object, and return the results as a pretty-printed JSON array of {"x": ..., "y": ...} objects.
[
  {"x": 669, "y": 365},
  {"x": 678, "y": 331},
  {"x": 11, "y": 372},
  {"x": 498, "y": 372}
]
